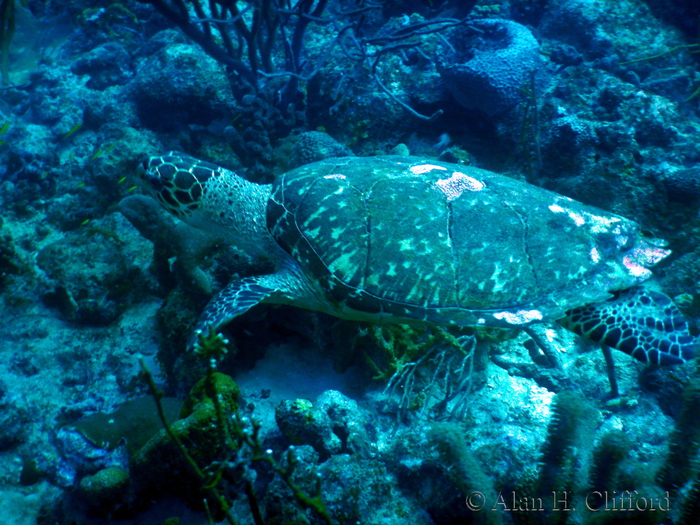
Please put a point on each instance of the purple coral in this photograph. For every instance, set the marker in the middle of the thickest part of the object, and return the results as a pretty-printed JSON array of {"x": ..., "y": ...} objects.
[{"x": 491, "y": 65}]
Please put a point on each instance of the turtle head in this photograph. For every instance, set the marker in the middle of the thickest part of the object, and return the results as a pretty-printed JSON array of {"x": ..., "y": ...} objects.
[
  {"x": 208, "y": 197},
  {"x": 176, "y": 181}
]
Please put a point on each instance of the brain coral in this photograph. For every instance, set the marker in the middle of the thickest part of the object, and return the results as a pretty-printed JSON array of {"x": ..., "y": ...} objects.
[
  {"x": 315, "y": 145},
  {"x": 490, "y": 64}
]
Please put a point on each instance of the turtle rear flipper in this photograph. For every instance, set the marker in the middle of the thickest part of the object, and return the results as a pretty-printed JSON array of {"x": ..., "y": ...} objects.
[{"x": 642, "y": 323}]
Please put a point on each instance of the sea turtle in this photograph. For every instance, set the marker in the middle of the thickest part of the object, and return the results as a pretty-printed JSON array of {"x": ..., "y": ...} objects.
[{"x": 405, "y": 239}]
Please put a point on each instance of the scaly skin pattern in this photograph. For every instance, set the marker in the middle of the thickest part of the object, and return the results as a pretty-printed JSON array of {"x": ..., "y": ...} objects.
[
  {"x": 406, "y": 239},
  {"x": 642, "y": 323},
  {"x": 177, "y": 182},
  {"x": 211, "y": 198}
]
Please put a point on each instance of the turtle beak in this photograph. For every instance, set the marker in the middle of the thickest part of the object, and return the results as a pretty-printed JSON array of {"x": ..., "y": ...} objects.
[{"x": 151, "y": 178}]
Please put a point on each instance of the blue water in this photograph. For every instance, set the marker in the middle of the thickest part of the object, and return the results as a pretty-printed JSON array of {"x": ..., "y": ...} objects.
[{"x": 298, "y": 416}]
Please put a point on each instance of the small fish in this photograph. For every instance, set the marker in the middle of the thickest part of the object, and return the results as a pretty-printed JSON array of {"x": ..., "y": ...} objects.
[
  {"x": 85, "y": 222},
  {"x": 5, "y": 127},
  {"x": 132, "y": 188},
  {"x": 121, "y": 180},
  {"x": 80, "y": 185},
  {"x": 73, "y": 130},
  {"x": 443, "y": 142},
  {"x": 105, "y": 151}
]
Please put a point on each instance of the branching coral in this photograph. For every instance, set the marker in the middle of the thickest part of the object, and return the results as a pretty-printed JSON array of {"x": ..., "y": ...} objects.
[{"x": 241, "y": 452}]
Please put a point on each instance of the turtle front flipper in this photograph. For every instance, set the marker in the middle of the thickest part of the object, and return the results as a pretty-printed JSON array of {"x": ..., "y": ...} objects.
[
  {"x": 644, "y": 324},
  {"x": 237, "y": 298},
  {"x": 286, "y": 286}
]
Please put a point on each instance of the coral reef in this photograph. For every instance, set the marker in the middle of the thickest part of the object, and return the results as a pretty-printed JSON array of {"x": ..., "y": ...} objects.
[
  {"x": 294, "y": 417},
  {"x": 315, "y": 145},
  {"x": 97, "y": 291}
]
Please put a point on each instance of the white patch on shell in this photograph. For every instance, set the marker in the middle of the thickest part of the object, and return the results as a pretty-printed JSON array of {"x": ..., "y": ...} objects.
[
  {"x": 602, "y": 224},
  {"x": 425, "y": 168},
  {"x": 343, "y": 265},
  {"x": 335, "y": 176},
  {"x": 595, "y": 255},
  {"x": 654, "y": 254},
  {"x": 641, "y": 256},
  {"x": 498, "y": 284},
  {"x": 597, "y": 223},
  {"x": 520, "y": 317},
  {"x": 457, "y": 183},
  {"x": 406, "y": 245},
  {"x": 578, "y": 219},
  {"x": 637, "y": 270}
]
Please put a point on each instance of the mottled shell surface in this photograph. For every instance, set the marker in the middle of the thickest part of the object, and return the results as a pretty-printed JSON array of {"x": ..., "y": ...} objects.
[{"x": 420, "y": 239}]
